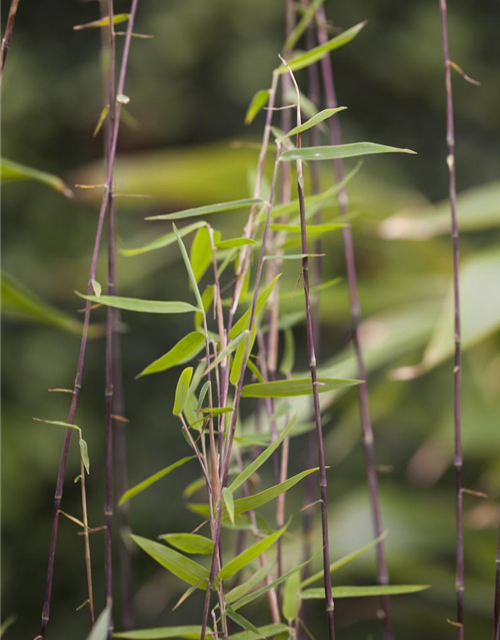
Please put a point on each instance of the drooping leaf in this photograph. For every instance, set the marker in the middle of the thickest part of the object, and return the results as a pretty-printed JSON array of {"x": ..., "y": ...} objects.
[
  {"x": 334, "y": 152},
  {"x": 189, "y": 542},
  {"x": 103, "y": 22},
  {"x": 268, "y": 631},
  {"x": 364, "y": 592},
  {"x": 163, "y": 241},
  {"x": 21, "y": 304},
  {"x": 192, "y": 632},
  {"x": 141, "y": 306},
  {"x": 102, "y": 119},
  {"x": 181, "y": 391},
  {"x": 244, "y": 322},
  {"x": 294, "y": 387},
  {"x": 228, "y": 498},
  {"x": 14, "y": 172},
  {"x": 254, "y": 466},
  {"x": 209, "y": 209},
  {"x": 186, "y": 349},
  {"x": 248, "y": 555},
  {"x": 139, "y": 488},
  {"x": 312, "y": 122},
  {"x": 243, "y": 622},
  {"x": 259, "y": 101},
  {"x": 315, "y": 54},
  {"x": 184, "y": 568},
  {"x": 84, "y": 452},
  {"x": 6, "y": 624},
  {"x": 308, "y": 15},
  {"x": 290, "y": 591},
  {"x": 100, "y": 629},
  {"x": 250, "y": 503}
]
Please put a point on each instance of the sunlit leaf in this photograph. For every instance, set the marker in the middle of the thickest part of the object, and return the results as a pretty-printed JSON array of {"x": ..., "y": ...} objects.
[
  {"x": 312, "y": 122},
  {"x": 212, "y": 208},
  {"x": 244, "y": 322},
  {"x": 255, "y": 578},
  {"x": 334, "y": 152},
  {"x": 315, "y": 54},
  {"x": 259, "y": 100},
  {"x": 254, "y": 466},
  {"x": 184, "y": 568},
  {"x": 200, "y": 254},
  {"x": 181, "y": 391},
  {"x": 141, "y": 306},
  {"x": 189, "y": 542},
  {"x": 192, "y": 632},
  {"x": 100, "y": 122},
  {"x": 139, "y": 488},
  {"x": 234, "y": 243},
  {"x": 102, "y": 22},
  {"x": 14, "y": 172},
  {"x": 364, "y": 592},
  {"x": 186, "y": 349},
  {"x": 163, "y": 241},
  {"x": 294, "y": 387},
  {"x": 290, "y": 592}
]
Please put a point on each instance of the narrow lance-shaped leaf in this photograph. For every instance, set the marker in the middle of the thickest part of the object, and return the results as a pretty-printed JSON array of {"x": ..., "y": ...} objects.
[
  {"x": 290, "y": 592},
  {"x": 308, "y": 15},
  {"x": 191, "y": 632},
  {"x": 259, "y": 100},
  {"x": 244, "y": 623},
  {"x": 84, "y": 453},
  {"x": 364, "y": 592},
  {"x": 103, "y": 22},
  {"x": 335, "y": 152},
  {"x": 235, "y": 373},
  {"x": 187, "y": 348},
  {"x": 288, "y": 361},
  {"x": 163, "y": 241},
  {"x": 315, "y": 54},
  {"x": 209, "y": 209},
  {"x": 14, "y": 172},
  {"x": 142, "y": 486},
  {"x": 233, "y": 243},
  {"x": 294, "y": 387},
  {"x": 100, "y": 629},
  {"x": 267, "y": 631},
  {"x": 312, "y": 122},
  {"x": 254, "y": 466},
  {"x": 242, "y": 589},
  {"x": 200, "y": 254},
  {"x": 141, "y": 306},
  {"x": 100, "y": 122},
  {"x": 232, "y": 346},
  {"x": 189, "y": 542},
  {"x": 228, "y": 498},
  {"x": 244, "y": 322},
  {"x": 184, "y": 568},
  {"x": 181, "y": 391}
]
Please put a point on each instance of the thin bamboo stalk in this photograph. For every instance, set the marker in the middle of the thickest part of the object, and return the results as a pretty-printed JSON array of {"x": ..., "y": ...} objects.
[
  {"x": 7, "y": 35},
  {"x": 496, "y": 603}
]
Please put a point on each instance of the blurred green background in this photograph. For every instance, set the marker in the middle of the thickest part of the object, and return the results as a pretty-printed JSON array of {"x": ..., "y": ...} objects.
[{"x": 189, "y": 89}]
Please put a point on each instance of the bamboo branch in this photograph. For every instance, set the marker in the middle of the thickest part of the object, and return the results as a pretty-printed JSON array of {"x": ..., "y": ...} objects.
[
  {"x": 352, "y": 280},
  {"x": 450, "y": 161},
  {"x": 86, "y": 321},
  {"x": 7, "y": 36},
  {"x": 496, "y": 603}
]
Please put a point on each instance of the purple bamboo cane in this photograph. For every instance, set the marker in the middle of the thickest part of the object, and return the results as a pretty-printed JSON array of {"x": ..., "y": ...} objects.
[
  {"x": 352, "y": 280},
  {"x": 450, "y": 160},
  {"x": 86, "y": 321}
]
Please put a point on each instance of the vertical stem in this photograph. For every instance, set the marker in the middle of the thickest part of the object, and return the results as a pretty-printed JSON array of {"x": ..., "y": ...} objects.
[
  {"x": 317, "y": 409},
  {"x": 496, "y": 603},
  {"x": 86, "y": 321},
  {"x": 7, "y": 35},
  {"x": 85, "y": 519},
  {"x": 450, "y": 161},
  {"x": 352, "y": 280}
]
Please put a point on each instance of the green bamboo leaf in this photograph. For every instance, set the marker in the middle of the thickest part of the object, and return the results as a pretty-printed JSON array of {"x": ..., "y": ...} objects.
[
  {"x": 255, "y": 578},
  {"x": 184, "y": 568},
  {"x": 163, "y": 241},
  {"x": 267, "y": 631},
  {"x": 217, "y": 411},
  {"x": 207, "y": 299},
  {"x": 254, "y": 466},
  {"x": 6, "y": 624},
  {"x": 20, "y": 304},
  {"x": 294, "y": 256},
  {"x": 194, "y": 487},
  {"x": 244, "y": 322},
  {"x": 209, "y": 209},
  {"x": 58, "y": 423},
  {"x": 308, "y": 15},
  {"x": 288, "y": 361},
  {"x": 229, "y": 503},
  {"x": 141, "y": 306},
  {"x": 253, "y": 368},
  {"x": 311, "y": 229},
  {"x": 290, "y": 591},
  {"x": 315, "y": 54},
  {"x": 84, "y": 452},
  {"x": 243, "y": 623},
  {"x": 334, "y": 152},
  {"x": 235, "y": 373},
  {"x": 186, "y": 349},
  {"x": 193, "y": 277},
  {"x": 235, "y": 243},
  {"x": 312, "y": 122},
  {"x": 181, "y": 391},
  {"x": 226, "y": 352},
  {"x": 250, "y": 503},
  {"x": 103, "y": 22},
  {"x": 343, "y": 561},
  {"x": 200, "y": 254},
  {"x": 294, "y": 387},
  {"x": 100, "y": 629},
  {"x": 100, "y": 122},
  {"x": 139, "y": 488},
  {"x": 192, "y": 632},
  {"x": 189, "y": 542},
  {"x": 14, "y": 172},
  {"x": 364, "y": 592},
  {"x": 259, "y": 101}
]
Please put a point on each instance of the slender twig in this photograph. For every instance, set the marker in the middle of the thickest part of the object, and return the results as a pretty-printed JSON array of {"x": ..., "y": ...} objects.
[
  {"x": 314, "y": 380},
  {"x": 86, "y": 321},
  {"x": 450, "y": 160},
  {"x": 86, "y": 537},
  {"x": 352, "y": 281},
  {"x": 496, "y": 603},
  {"x": 7, "y": 35}
]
